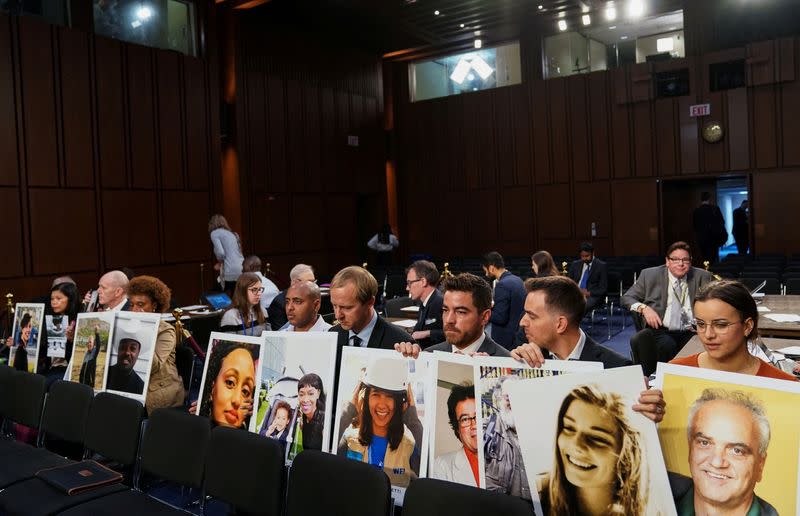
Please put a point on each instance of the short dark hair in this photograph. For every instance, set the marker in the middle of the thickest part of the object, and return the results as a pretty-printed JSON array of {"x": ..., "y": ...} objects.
[
  {"x": 458, "y": 393},
  {"x": 705, "y": 196},
  {"x": 735, "y": 294},
  {"x": 587, "y": 247},
  {"x": 427, "y": 270},
  {"x": 466, "y": 282},
  {"x": 679, "y": 245},
  {"x": 562, "y": 295},
  {"x": 494, "y": 258},
  {"x": 251, "y": 264}
]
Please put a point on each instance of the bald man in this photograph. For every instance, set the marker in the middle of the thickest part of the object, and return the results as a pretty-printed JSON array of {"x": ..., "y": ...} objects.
[
  {"x": 302, "y": 308},
  {"x": 111, "y": 292}
]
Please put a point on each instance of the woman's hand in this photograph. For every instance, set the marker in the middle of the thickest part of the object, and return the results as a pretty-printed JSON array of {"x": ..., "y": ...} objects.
[
  {"x": 651, "y": 405},
  {"x": 410, "y": 396},
  {"x": 193, "y": 407},
  {"x": 9, "y": 342}
]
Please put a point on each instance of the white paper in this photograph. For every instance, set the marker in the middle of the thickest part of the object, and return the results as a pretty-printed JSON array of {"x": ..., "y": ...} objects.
[
  {"x": 193, "y": 308},
  {"x": 783, "y": 317},
  {"x": 410, "y": 309},
  {"x": 405, "y": 323},
  {"x": 763, "y": 309},
  {"x": 790, "y": 350}
]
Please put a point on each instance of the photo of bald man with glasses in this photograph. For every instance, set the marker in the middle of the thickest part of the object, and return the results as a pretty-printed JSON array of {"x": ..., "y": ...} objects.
[
  {"x": 461, "y": 465},
  {"x": 663, "y": 297}
]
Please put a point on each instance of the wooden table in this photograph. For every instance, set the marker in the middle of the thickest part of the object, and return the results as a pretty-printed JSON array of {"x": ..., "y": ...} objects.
[
  {"x": 695, "y": 346},
  {"x": 779, "y": 305},
  {"x": 393, "y": 319}
]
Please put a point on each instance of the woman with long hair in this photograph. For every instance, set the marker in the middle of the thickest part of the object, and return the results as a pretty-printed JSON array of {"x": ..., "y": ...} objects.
[
  {"x": 149, "y": 294},
  {"x": 377, "y": 434},
  {"x": 230, "y": 384},
  {"x": 227, "y": 250},
  {"x": 246, "y": 315},
  {"x": 542, "y": 264},
  {"x": 64, "y": 306},
  {"x": 726, "y": 320},
  {"x": 311, "y": 406},
  {"x": 598, "y": 459}
]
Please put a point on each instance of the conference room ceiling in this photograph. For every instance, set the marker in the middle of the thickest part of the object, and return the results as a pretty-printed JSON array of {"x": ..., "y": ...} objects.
[{"x": 404, "y": 25}]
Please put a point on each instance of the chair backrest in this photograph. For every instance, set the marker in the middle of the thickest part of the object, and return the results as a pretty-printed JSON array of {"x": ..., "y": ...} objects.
[
  {"x": 392, "y": 307},
  {"x": 174, "y": 446},
  {"x": 28, "y": 393},
  {"x": 113, "y": 427},
  {"x": 644, "y": 351},
  {"x": 772, "y": 286},
  {"x": 329, "y": 318},
  {"x": 430, "y": 497},
  {"x": 184, "y": 362},
  {"x": 255, "y": 485},
  {"x": 66, "y": 411},
  {"x": 341, "y": 486},
  {"x": 793, "y": 286},
  {"x": 6, "y": 390}
]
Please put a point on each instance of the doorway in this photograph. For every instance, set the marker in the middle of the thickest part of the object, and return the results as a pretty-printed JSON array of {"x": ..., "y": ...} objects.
[{"x": 679, "y": 199}]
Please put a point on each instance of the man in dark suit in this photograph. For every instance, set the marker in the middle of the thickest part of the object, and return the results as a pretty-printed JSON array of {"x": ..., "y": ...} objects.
[
  {"x": 663, "y": 296},
  {"x": 709, "y": 228},
  {"x": 509, "y": 298},
  {"x": 421, "y": 281},
  {"x": 554, "y": 308},
  {"x": 591, "y": 275},
  {"x": 741, "y": 228},
  {"x": 466, "y": 309}
]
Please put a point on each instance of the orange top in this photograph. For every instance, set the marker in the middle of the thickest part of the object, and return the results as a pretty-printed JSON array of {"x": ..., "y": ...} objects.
[
  {"x": 473, "y": 463},
  {"x": 765, "y": 370}
]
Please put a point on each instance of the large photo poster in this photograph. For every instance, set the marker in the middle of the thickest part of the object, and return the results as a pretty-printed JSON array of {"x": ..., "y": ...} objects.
[
  {"x": 380, "y": 413},
  {"x": 231, "y": 376},
  {"x": 585, "y": 450},
  {"x": 56, "y": 335},
  {"x": 296, "y": 386},
  {"x": 731, "y": 442},
  {"x": 131, "y": 354},
  {"x": 93, "y": 332},
  {"x": 499, "y": 451},
  {"x": 454, "y": 436},
  {"x": 27, "y": 332}
]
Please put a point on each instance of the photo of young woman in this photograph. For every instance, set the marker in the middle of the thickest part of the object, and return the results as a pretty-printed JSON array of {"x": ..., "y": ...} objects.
[
  {"x": 24, "y": 343},
  {"x": 229, "y": 380}
]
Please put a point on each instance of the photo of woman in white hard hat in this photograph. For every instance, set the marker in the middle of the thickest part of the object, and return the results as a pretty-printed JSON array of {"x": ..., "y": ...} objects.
[{"x": 380, "y": 424}]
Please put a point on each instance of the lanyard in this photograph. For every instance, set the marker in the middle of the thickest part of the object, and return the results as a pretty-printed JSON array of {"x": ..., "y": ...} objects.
[
  {"x": 252, "y": 326},
  {"x": 681, "y": 299}
]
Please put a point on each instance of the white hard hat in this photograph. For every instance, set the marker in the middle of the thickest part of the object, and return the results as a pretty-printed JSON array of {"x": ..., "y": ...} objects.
[{"x": 390, "y": 374}]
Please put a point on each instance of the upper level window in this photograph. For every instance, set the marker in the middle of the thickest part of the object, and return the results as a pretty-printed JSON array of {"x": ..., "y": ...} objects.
[
  {"x": 165, "y": 24},
  {"x": 480, "y": 69},
  {"x": 51, "y": 11}
]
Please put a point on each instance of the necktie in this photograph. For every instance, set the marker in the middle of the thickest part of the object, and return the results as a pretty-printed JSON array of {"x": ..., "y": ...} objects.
[
  {"x": 585, "y": 277},
  {"x": 676, "y": 317},
  {"x": 356, "y": 341}
]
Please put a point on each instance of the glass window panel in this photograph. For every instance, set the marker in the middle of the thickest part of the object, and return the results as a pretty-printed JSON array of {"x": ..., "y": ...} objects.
[{"x": 165, "y": 24}]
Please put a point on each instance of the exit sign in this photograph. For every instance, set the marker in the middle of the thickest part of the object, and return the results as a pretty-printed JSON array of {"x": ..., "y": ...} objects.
[{"x": 700, "y": 110}]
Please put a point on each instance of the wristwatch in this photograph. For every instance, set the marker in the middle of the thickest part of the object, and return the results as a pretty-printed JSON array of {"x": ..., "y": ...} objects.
[{"x": 641, "y": 308}]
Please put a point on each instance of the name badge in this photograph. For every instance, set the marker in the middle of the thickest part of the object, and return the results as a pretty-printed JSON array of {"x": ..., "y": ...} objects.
[{"x": 430, "y": 321}]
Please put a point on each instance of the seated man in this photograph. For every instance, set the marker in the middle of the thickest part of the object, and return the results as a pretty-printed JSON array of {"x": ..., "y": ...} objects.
[
  {"x": 121, "y": 376},
  {"x": 663, "y": 296},
  {"x": 421, "y": 281},
  {"x": 591, "y": 275},
  {"x": 276, "y": 313},
  {"x": 111, "y": 291},
  {"x": 302, "y": 308}
]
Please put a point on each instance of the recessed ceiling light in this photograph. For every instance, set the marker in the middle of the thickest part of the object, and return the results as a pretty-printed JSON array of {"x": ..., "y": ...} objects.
[
  {"x": 541, "y": 7},
  {"x": 462, "y": 25},
  {"x": 612, "y": 27},
  {"x": 436, "y": 13},
  {"x": 611, "y": 12},
  {"x": 672, "y": 28},
  {"x": 471, "y": 77},
  {"x": 623, "y": 37},
  {"x": 587, "y": 20},
  {"x": 477, "y": 33},
  {"x": 562, "y": 25}
]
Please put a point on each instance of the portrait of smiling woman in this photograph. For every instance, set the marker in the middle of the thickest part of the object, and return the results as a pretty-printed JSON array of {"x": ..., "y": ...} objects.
[
  {"x": 229, "y": 383},
  {"x": 598, "y": 465}
]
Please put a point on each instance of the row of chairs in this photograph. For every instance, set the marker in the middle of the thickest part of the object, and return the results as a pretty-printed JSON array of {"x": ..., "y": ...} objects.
[{"x": 226, "y": 470}]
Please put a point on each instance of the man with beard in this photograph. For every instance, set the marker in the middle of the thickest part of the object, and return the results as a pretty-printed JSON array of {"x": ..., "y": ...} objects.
[
  {"x": 505, "y": 471},
  {"x": 466, "y": 309}
]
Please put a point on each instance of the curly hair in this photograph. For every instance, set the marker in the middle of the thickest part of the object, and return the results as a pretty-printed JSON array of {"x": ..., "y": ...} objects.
[
  {"x": 153, "y": 288},
  {"x": 628, "y": 489},
  {"x": 222, "y": 349}
]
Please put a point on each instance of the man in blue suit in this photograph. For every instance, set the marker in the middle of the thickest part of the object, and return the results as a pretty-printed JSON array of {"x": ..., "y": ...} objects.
[
  {"x": 591, "y": 275},
  {"x": 509, "y": 300}
]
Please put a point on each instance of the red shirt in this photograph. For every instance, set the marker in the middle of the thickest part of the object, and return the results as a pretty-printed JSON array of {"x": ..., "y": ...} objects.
[
  {"x": 764, "y": 370},
  {"x": 473, "y": 463}
]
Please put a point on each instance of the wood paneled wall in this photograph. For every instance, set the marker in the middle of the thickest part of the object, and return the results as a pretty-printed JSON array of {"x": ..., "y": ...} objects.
[
  {"x": 532, "y": 166},
  {"x": 106, "y": 156},
  {"x": 306, "y": 195}
]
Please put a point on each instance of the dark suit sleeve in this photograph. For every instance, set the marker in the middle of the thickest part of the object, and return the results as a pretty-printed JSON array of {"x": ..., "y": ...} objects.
[
  {"x": 600, "y": 288},
  {"x": 437, "y": 330},
  {"x": 276, "y": 312},
  {"x": 502, "y": 305},
  {"x": 636, "y": 293}
]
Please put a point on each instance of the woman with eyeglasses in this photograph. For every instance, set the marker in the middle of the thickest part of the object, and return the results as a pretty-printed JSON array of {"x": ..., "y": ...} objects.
[
  {"x": 246, "y": 316},
  {"x": 726, "y": 317}
]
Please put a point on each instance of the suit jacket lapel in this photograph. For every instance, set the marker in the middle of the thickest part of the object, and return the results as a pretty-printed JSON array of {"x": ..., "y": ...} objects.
[{"x": 377, "y": 334}]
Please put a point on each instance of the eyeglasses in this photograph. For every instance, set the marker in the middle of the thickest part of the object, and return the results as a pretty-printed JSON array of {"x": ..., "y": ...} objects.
[
  {"x": 466, "y": 421},
  {"x": 720, "y": 327},
  {"x": 409, "y": 283},
  {"x": 679, "y": 260},
  {"x": 256, "y": 290}
]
